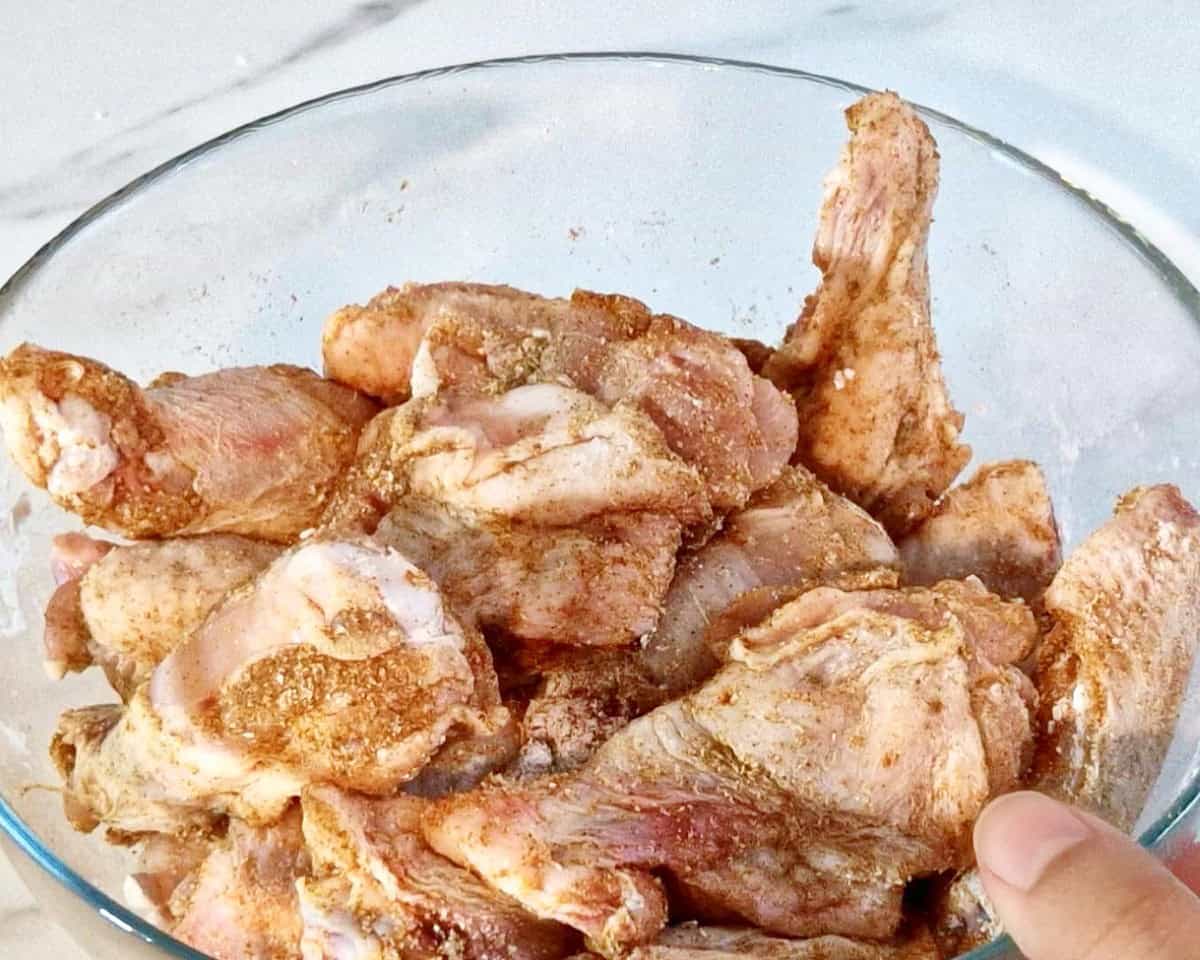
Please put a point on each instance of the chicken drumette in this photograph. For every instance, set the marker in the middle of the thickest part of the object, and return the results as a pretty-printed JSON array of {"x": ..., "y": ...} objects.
[
  {"x": 338, "y": 664},
  {"x": 250, "y": 450}
]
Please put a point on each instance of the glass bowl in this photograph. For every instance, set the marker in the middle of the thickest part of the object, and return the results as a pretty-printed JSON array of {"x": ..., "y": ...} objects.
[{"x": 691, "y": 184}]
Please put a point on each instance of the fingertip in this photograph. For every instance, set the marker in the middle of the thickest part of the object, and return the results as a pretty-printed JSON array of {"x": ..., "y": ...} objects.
[{"x": 1020, "y": 834}]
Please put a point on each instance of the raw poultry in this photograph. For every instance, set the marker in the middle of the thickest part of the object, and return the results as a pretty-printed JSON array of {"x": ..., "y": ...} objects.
[
  {"x": 252, "y": 450},
  {"x": 605, "y": 635}
]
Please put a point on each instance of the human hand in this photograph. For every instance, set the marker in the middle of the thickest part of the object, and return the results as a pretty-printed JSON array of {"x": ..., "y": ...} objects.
[{"x": 1068, "y": 886}]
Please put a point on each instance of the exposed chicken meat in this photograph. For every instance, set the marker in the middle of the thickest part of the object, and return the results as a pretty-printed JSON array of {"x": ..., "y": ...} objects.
[
  {"x": 998, "y": 526},
  {"x": 876, "y": 423},
  {"x": 338, "y": 664},
  {"x": 801, "y": 788},
  {"x": 65, "y": 636},
  {"x": 1125, "y": 614},
  {"x": 240, "y": 902},
  {"x": 378, "y": 890},
  {"x": 696, "y": 386},
  {"x": 541, "y": 454},
  {"x": 582, "y": 700},
  {"x": 137, "y": 602},
  {"x": 796, "y": 531},
  {"x": 251, "y": 450},
  {"x": 692, "y": 942},
  {"x": 599, "y": 582}
]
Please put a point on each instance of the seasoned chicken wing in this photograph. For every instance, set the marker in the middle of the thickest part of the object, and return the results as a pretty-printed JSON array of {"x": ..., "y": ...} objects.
[
  {"x": 876, "y": 423},
  {"x": 135, "y": 603},
  {"x": 251, "y": 450},
  {"x": 340, "y": 664},
  {"x": 596, "y": 583},
  {"x": 542, "y": 454},
  {"x": 998, "y": 526},
  {"x": 1125, "y": 615},
  {"x": 1111, "y": 673},
  {"x": 378, "y": 890},
  {"x": 240, "y": 902},
  {"x": 800, "y": 788},
  {"x": 795, "y": 532},
  {"x": 541, "y": 513},
  {"x": 696, "y": 386},
  {"x": 694, "y": 942}
]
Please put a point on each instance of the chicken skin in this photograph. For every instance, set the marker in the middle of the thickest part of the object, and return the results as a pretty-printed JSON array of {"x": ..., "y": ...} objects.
[
  {"x": 1124, "y": 615},
  {"x": 695, "y": 942},
  {"x": 541, "y": 513},
  {"x": 796, "y": 531},
  {"x": 732, "y": 425},
  {"x": 1111, "y": 673},
  {"x": 377, "y": 890},
  {"x": 998, "y": 526},
  {"x": 134, "y": 603},
  {"x": 239, "y": 902},
  {"x": 842, "y": 751},
  {"x": 876, "y": 423},
  {"x": 596, "y": 583},
  {"x": 340, "y": 663},
  {"x": 250, "y": 450}
]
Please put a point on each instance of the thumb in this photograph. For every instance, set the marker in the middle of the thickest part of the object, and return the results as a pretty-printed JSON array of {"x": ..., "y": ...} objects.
[{"x": 1067, "y": 886}]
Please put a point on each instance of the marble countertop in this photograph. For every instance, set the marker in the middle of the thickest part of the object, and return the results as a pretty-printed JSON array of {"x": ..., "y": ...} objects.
[{"x": 97, "y": 93}]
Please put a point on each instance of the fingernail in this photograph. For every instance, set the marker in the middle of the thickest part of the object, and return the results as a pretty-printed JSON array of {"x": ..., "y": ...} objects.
[{"x": 1019, "y": 835}]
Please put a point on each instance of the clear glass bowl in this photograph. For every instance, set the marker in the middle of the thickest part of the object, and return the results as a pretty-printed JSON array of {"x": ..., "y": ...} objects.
[{"x": 692, "y": 184}]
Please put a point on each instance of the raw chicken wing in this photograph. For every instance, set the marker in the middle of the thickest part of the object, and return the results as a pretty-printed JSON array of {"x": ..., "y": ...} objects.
[
  {"x": 379, "y": 891},
  {"x": 1125, "y": 621},
  {"x": 1125, "y": 615},
  {"x": 693, "y": 942},
  {"x": 800, "y": 788},
  {"x": 240, "y": 902},
  {"x": 998, "y": 526},
  {"x": 541, "y": 513},
  {"x": 137, "y": 602},
  {"x": 696, "y": 386},
  {"x": 250, "y": 450},
  {"x": 338, "y": 664},
  {"x": 599, "y": 582},
  {"x": 876, "y": 423},
  {"x": 795, "y": 532}
]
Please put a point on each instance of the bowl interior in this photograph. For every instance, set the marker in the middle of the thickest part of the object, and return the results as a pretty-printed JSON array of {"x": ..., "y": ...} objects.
[{"x": 692, "y": 185}]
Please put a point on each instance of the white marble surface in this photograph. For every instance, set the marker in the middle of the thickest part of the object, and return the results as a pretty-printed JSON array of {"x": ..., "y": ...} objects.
[{"x": 96, "y": 93}]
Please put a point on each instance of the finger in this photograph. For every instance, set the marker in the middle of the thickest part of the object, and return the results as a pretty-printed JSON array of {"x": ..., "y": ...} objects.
[{"x": 1068, "y": 886}]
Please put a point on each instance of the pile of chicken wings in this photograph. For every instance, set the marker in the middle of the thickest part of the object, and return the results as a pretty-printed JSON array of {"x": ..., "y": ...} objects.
[{"x": 541, "y": 627}]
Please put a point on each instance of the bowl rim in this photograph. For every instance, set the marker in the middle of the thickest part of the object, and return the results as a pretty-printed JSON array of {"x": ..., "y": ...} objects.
[{"x": 1183, "y": 290}]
